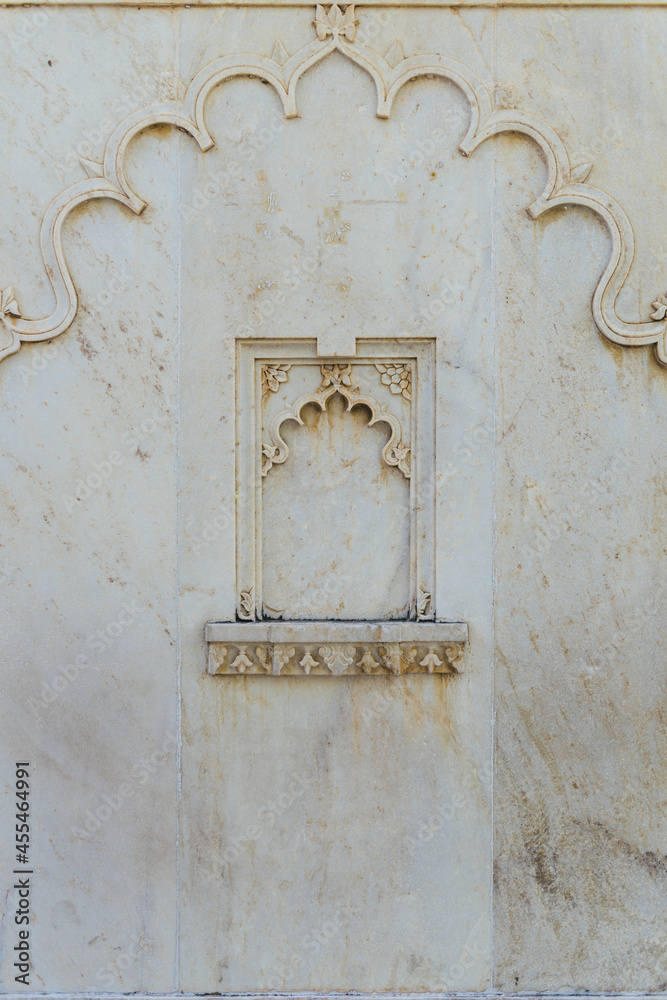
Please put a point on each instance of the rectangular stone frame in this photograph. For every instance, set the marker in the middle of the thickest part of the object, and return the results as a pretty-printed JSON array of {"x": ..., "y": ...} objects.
[{"x": 250, "y": 355}]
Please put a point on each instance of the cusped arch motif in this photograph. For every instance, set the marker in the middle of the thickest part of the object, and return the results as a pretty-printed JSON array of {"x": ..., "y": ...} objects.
[
  {"x": 337, "y": 379},
  {"x": 336, "y": 31}
]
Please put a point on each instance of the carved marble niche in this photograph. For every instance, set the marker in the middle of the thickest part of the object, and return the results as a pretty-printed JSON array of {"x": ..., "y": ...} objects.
[{"x": 335, "y": 515}]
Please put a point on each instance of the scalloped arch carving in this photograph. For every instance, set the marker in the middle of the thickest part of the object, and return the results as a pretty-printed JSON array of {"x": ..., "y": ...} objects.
[
  {"x": 337, "y": 379},
  {"x": 336, "y": 31}
]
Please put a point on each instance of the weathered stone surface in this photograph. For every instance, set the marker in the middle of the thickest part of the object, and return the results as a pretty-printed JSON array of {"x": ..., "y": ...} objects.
[
  {"x": 580, "y": 782},
  {"x": 89, "y": 628},
  {"x": 240, "y": 833}
]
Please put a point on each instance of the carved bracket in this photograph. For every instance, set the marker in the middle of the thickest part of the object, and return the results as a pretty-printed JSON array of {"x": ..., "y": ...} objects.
[{"x": 336, "y": 31}]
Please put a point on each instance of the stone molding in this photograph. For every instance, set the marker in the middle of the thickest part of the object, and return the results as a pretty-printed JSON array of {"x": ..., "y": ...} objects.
[
  {"x": 336, "y": 31},
  {"x": 328, "y": 648},
  {"x": 263, "y": 407},
  {"x": 332, "y": 995},
  {"x": 496, "y": 4}
]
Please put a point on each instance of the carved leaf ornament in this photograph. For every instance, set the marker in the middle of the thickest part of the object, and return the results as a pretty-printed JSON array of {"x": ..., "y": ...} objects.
[
  {"x": 8, "y": 304},
  {"x": 660, "y": 306},
  {"x": 335, "y": 30},
  {"x": 335, "y": 659},
  {"x": 335, "y": 23},
  {"x": 247, "y": 605},
  {"x": 272, "y": 376}
]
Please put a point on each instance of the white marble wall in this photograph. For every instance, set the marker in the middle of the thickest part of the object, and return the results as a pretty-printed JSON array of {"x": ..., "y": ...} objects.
[
  {"x": 580, "y": 665},
  {"x": 338, "y": 859},
  {"x": 88, "y": 580},
  {"x": 336, "y": 834}
]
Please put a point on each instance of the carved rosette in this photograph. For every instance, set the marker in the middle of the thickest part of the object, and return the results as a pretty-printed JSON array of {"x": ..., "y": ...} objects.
[
  {"x": 398, "y": 377},
  {"x": 336, "y": 659}
]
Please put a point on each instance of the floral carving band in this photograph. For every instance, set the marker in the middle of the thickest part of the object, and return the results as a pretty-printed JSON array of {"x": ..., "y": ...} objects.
[
  {"x": 333, "y": 649},
  {"x": 336, "y": 30}
]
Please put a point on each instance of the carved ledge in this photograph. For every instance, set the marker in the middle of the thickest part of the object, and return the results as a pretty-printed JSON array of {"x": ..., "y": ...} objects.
[{"x": 307, "y": 649}]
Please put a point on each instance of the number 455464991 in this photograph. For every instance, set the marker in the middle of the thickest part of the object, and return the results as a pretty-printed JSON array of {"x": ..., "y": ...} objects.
[{"x": 22, "y": 812}]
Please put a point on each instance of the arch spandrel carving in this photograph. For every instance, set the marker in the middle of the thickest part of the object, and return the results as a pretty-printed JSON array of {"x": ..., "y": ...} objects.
[{"x": 335, "y": 29}]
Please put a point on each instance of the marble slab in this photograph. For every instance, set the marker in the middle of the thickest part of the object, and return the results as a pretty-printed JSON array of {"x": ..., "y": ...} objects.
[{"x": 488, "y": 238}]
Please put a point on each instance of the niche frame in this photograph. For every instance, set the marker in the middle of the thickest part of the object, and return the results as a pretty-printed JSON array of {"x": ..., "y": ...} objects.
[{"x": 253, "y": 464}]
